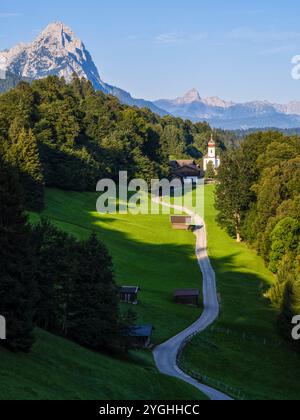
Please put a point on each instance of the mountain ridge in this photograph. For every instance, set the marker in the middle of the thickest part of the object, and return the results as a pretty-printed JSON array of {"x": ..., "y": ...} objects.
[
  {"x": 232, "y": 115},
  {"x": 57, "y": 51}
]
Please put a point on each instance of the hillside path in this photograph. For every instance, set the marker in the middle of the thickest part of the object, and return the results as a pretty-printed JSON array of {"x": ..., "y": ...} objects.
[{"x": 166, "y": 354}]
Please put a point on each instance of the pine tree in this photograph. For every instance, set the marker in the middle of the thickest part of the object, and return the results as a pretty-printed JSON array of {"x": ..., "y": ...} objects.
[
  {"x": 210, "y": 171},
  {"x": 24, "y": 156},
  {"x": 17, "y": 285},
  {"x": 232, "y": 193},
  {"x": 94, "y": 306}
]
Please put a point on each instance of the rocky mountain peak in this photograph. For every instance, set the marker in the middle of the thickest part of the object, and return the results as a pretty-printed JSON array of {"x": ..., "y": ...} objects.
[{"x": 192, "y": 96}]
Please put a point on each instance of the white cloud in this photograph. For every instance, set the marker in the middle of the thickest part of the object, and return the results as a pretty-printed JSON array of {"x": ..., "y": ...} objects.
[
  {"x": 9, "y": 14},
  {"x": 279, "y": 50},
  {"x": 253, "y": 35},
  {"x": 179, "y": 38}
]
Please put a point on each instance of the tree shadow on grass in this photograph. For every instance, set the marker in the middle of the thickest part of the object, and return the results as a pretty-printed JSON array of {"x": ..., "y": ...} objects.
[{"x": 160, "y": 268}]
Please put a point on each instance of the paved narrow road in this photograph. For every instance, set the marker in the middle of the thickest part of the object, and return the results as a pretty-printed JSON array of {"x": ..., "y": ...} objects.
[{"x": 166, "y": 354}]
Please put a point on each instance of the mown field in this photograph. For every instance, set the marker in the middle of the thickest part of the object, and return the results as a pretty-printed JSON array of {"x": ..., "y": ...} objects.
[
  {"x": 243, "y": 351},
  {"x": 146, "y": 252}
]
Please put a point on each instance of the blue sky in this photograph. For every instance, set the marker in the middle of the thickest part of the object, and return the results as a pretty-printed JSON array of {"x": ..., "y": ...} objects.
[{"x": 236, "y": 49}]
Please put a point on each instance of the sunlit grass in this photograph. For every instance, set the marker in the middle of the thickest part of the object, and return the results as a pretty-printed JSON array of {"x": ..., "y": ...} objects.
[{"x": 260, "y": 370}]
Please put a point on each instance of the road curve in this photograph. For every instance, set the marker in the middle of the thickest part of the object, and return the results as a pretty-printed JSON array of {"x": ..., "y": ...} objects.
[{"x": 166, "y": 354}]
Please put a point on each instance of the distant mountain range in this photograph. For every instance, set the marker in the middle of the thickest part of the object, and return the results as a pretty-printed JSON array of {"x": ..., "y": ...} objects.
[
  {"x": 57, "y": 51},
  {"x": 230, "y": 115}
]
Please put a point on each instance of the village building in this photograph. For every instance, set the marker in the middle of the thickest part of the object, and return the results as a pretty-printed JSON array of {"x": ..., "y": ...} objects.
[
  {"x": 181, "y": 222},
  {"x": 186, "y": 170},
  {"x": 129, "y": 294},
  {"x": 187, "y": 296},
  {"x": 211, "y": 156},
  {"x": 140, "y": 336}
]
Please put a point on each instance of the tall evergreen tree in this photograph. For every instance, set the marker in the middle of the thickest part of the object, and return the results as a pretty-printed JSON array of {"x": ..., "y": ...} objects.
[
  {"x": 17, "y": 285},
  {"x": 232, "y": 193},
  {"x": 94, "y": 305},
  {"x": 210, "y": 171},
  {"x": 24, "y": 156}
]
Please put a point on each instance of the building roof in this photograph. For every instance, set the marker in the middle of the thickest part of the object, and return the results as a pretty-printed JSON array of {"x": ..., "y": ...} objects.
[
  {"x": 130, "y": 289},
  {"x": 181, "y": 219},
  {"x": 186, "y": 163},
  {"x": 211, "y": 142},
  {"x": 140, "y": 331},
  {"x": 186, "y": 292}
]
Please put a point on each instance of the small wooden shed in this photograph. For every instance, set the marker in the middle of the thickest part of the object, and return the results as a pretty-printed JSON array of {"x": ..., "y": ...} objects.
[
  {"x": 181, "y": 222},
  {"x": 187, "y": 296},
  {"x": 140, "y": 336},
  {"x": 129, "y": 294}
]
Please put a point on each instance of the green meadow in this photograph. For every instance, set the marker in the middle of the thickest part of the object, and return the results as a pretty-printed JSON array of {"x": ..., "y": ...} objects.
[
  {"x": 244, "y": 351},
  {"x": 146, "y": 252}
]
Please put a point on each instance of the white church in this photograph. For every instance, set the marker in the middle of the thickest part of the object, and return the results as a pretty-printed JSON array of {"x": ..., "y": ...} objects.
[{"x": 211, "y": 155}]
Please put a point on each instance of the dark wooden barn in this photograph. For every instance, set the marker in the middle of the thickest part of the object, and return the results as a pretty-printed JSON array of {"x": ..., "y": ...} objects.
[
  {"x": 140, "y": 336},
  {"x": 181, "y": 222},
  {"x": 129, "y": 294},
  {"x": 187, "y": 296},
  {"x": 185, "y": 169}
]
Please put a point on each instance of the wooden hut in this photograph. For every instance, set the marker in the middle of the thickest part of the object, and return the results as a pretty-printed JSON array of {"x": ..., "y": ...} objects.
[
  {"x": 181, "y": 222},
  {"x": 140, "y": 336},
  {"x": 187, "y": 296},
  {"x": 129, "y": 294},
  {"x": 186, "y": 170}
]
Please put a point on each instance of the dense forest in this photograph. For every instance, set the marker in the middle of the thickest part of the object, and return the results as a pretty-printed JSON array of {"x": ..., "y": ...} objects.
[
  {"x": 54, "y": 134},
  {"x": 68, "y": 136},
  {"x": 258, "y": 198},
  {"x": 51, "y": 280}
]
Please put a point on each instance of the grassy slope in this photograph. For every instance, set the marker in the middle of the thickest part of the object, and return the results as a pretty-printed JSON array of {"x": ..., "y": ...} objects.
[
  {"x": 60, "y": 370},
  {"x": 146, "y": 252},
  {"x": 261, "y": 371}
]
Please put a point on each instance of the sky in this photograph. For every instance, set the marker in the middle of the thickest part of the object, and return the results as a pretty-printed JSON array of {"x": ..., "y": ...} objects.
[{"x": 238, "y": 50}]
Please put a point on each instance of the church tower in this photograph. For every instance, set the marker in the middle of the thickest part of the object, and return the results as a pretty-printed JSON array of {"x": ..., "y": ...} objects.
[
  {"x": 211, "y": 155},
  {"x": 212, "y": 148}
]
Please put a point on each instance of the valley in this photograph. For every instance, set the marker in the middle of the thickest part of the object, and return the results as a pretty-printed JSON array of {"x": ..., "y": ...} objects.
[{"x": 146, "y": 251}]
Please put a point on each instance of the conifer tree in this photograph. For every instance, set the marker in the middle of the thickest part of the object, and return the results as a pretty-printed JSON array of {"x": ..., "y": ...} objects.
[
  {"x": 17, "y": 285},
  {"x": 24, "y": 156},
  {"x": 210, "y": 171},
  {"x": 94, "y": 306}
]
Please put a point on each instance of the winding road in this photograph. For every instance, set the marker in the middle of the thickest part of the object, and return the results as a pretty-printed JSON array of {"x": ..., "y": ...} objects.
[{"x": 166, "y": 354}]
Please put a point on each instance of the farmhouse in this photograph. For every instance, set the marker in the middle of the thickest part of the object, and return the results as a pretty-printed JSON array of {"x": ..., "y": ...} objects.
[
  {"x": 129, "y": 294},
  {"x": 186, "y": 170},
  {"x": 187, "y": 296},
  {"x": 181, "y": 222},
  {"x": 140, "y": 336}
]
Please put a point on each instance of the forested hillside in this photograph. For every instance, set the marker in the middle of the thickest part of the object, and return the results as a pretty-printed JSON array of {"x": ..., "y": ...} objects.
[
  {"x": 258, "y": 198},
  {"x": 52, "y": 280},
  {"x": 68, "y": 136}
]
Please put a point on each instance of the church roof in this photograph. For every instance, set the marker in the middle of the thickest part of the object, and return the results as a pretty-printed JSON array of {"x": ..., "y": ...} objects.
[{"x": 211, "y": 142}]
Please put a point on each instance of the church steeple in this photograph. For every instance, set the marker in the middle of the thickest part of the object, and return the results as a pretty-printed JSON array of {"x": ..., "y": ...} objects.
[
  {"x": 211, "y": 156},
  {"x": 212, "y": 143}
]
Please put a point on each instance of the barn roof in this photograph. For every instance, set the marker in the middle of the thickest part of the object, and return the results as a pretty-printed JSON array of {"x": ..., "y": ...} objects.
[
  {"x": 186, "y": 163},
  {"x": 130, "y": 289},
  {"x": 186, "y": 292},
  {"x": 140, "y": 331},
  {"x": 181, "y": 219}
]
